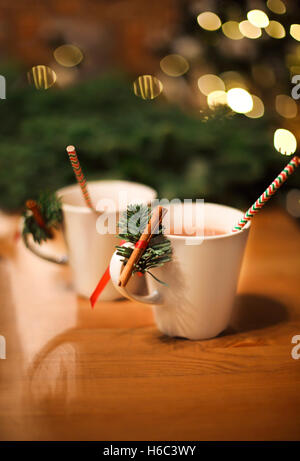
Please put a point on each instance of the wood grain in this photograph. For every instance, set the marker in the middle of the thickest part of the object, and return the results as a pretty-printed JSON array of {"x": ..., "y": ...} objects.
[{"x": 76, "y": 374}]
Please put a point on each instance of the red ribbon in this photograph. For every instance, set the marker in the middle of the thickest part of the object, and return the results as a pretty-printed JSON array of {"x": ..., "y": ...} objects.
[
  {"x": 100, "y": 287},
  {"x": 141, "y": 244},
  {"x": 106, "y": 276}
]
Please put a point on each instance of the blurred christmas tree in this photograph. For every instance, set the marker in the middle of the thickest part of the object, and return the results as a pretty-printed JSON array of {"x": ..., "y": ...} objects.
[
  {"x": 176, "y": 147},
  {"x": 217, "y": 38},
  {"x": 226, "y": 159}
]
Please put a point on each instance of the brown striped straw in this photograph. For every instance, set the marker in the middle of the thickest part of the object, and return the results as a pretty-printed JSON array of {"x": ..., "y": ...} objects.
[{"x": 79, "y": 176}]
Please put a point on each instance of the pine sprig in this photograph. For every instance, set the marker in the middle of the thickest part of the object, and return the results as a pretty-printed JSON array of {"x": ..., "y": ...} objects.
[
  {"x": 133, "y": 221},
  {"x": 131, "y": 226},
  {"x": 51, "y": 211}
]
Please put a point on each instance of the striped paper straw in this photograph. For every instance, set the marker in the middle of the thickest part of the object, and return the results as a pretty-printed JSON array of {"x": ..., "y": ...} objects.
[
  {"x": 273, "y": 187},
  {"x": 79, "y": 175}
]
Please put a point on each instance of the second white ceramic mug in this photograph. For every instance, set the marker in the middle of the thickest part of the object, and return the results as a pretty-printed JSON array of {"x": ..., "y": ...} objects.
[
  {"x": 201, "y": 279},
  {"x": 89, "y": 252}
]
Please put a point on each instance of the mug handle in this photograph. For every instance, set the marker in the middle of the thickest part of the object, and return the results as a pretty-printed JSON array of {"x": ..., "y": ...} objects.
[
  {"x": 115, "y": 269},
  {"x": 34, "y": 249}
]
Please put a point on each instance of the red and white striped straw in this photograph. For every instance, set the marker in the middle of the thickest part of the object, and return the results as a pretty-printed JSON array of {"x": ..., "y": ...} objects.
[
  {"x": 273, "y": 187},
  {"x": 79, "y": 175}
]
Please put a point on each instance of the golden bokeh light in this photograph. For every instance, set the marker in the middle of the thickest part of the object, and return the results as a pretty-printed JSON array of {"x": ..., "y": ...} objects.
[
  {"x": 249, "y": 30},
  {"x": 216, "y": 98},
  {"x": 68, "y": 55},
  {"x": 209, "y": 21},
  {"x": 42, "y": 77},
  {"x": 277, "y": 6},
  {"x": 286, "y": 106},
  {"x": 275, "y": 29},
  {"x": 208, "y": 83},
  {"x": 147, "y": 87},
  {"x": 239, "y": 100},
  {"x": 258, "y": 18},
  {"x": 258, "y": 108},
  {"x": 285, "y": 142},
  {"x": 233, "y": 79},
  {"x": 174, "y": 65},
  {"x": 295, "y": 31},
  {"x": 232, "y": 31}
]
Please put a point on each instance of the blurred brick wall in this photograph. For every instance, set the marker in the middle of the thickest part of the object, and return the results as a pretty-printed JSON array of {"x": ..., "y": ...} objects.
[{"x": 122, "y": 33}]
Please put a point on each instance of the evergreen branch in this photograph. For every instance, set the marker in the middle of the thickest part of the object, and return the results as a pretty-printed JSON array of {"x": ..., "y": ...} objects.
[
  {"x": 50, "y": 208},
  {"x": 158, "y": 280},
  {"x": 131, "y": 226}
]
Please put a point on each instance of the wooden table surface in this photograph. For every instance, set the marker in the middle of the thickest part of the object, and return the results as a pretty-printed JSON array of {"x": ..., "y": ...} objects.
[{"x": 76, "y": 374}]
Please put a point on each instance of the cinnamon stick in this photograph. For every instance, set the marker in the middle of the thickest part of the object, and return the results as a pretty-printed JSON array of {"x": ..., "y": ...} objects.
[
  {"x": 35, "y": 209},
  {"x": 141, "y": 245}
]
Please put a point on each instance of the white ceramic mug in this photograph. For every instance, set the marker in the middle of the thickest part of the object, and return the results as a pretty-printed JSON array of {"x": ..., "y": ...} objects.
[
  {"x": 89, "y": 252},
  {"x": 201, "y": 278}
]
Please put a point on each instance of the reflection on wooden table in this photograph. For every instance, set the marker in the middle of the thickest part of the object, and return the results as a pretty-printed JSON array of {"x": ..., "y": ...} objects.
[{"x": 76, "y": 374}]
